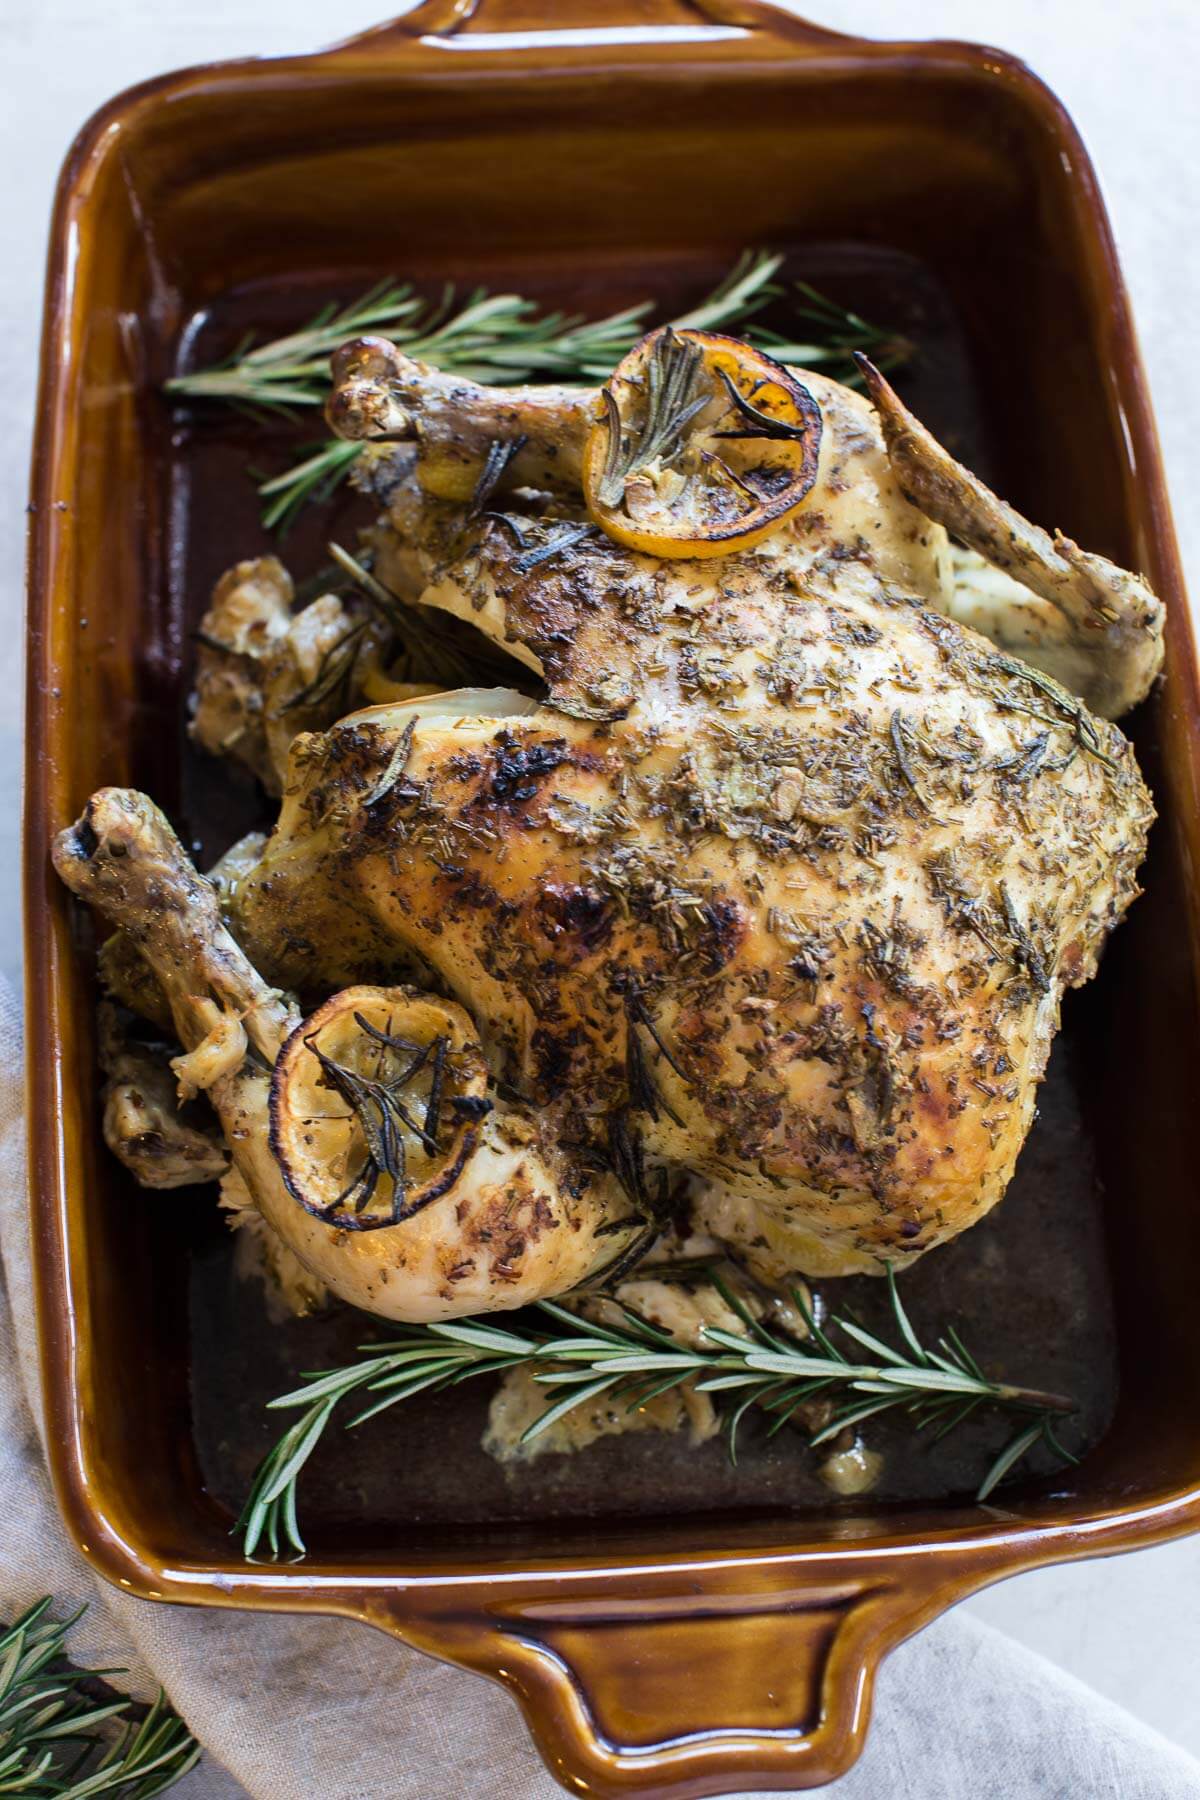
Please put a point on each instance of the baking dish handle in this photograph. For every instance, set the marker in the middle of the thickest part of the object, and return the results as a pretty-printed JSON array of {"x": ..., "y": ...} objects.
[
  {"x": 464, "y": 19},
  {"x": 692, "y": 1682}
]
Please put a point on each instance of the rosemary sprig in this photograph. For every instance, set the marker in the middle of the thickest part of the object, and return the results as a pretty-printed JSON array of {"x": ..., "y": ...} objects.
[
  {"x": 420, "y": 630},
  {"x": 1086, "y": 734},
  {"x": 333, "y": 671},
  {"x": 643, "y": 1094},
  {"x": 314, "y": 480},
  {"x": 675, "y": 393},
  {"x": 382, "y": 1118},
  {"x": 561, "y": 535},
  {"x": 941, "y": 1386},
  {"x": 902, "y": 750},
  {"x": 65, "y": 1734},
  {"x": 836, "y": 334},
  {"x": 499, "y": 338},
  {"x": 505, "y": 339},
  {"x": 497, "y": 460},
  {"x": 757, "y": 424},
  {"x": 294, "y": 370}
]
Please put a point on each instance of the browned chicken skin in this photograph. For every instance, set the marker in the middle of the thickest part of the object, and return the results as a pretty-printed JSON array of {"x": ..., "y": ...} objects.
[
  {"x": 779, "y": 889},
  {"x": 521, "y": 1217},
  {"x": 1095, "y": 627},
  {"x": 791, "y": 871}
]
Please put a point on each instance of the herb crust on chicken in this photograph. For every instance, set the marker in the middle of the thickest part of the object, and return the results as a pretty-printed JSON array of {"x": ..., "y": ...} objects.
[{"x": 772, "y": 898}]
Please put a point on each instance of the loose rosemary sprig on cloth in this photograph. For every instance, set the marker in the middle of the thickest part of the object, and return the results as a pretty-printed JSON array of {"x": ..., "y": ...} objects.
[
  {"x": 65, "y": 1735},
  {"x": 503, "y": 339},
  {"x": 634, "y": 1362}
]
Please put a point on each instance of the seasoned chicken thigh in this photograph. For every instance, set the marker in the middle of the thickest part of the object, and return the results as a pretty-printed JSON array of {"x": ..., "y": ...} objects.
[{"x": 772, "y": 900}]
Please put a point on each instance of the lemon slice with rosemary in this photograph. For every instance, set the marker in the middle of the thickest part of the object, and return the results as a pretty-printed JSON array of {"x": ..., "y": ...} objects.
[
  {"x": 704, "y": 446},
  {"x": 375, "y": 1105}
]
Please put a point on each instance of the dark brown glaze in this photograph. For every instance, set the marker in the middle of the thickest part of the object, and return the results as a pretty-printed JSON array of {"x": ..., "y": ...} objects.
[{"x": 667, "y": 1655}]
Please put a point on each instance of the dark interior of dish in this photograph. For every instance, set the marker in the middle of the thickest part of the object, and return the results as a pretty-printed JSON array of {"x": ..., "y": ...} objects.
[{"x": 923, "y": 205}]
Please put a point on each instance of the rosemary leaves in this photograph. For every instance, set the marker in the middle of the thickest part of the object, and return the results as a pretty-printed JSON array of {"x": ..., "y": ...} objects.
[
  {"x": 66, "y": 1734},
  {"x": 424, "y": 637},
  {"x": 675, "y": 393},
  {"x": 382, "y": 1119},
  {"x": 706, "y": 446},
  {"x": 579, "y": 1360},
  {"x": 500, "y": 338}
]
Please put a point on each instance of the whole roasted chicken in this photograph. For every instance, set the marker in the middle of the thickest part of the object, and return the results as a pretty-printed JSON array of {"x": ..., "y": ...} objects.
[{"x": 751, "y": 900}]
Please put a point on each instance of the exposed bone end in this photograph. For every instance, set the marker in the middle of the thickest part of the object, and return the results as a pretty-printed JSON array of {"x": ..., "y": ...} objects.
[
  {"x": 364, "y": 402},
  {"x": 122, "y": 856},
  {"x": 366, "y": 359},
  {"x": 124, "y": 972}
]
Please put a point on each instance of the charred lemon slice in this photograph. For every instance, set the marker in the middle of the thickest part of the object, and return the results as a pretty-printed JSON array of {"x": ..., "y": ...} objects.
[
  {"x": 703, "y": 447},
  {"x": 375, "y": 1105}
]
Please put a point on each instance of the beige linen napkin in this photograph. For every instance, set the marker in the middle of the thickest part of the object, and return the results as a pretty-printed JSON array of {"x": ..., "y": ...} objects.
[{"x": 290, "y": 1708}]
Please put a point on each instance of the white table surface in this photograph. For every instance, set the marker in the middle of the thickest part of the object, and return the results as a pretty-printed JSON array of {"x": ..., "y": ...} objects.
[{"x": 1128, "y": 71}]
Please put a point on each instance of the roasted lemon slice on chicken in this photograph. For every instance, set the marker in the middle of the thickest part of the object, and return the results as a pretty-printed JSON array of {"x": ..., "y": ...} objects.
[
  {"x": 375, "y": 1105},
  {"x": 704, "y": 446}
]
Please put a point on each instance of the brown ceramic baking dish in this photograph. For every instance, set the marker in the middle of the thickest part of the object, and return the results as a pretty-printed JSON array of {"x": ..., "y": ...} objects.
[{"x": 654, "y": 1652}]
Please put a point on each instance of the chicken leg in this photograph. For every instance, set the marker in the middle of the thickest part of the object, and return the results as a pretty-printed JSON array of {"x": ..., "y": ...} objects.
[{"x": 519, "y": 1221}]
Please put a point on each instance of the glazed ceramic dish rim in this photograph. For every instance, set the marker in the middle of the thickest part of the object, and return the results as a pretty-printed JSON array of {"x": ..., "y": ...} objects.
[{"x": 539, "y": 1625}]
